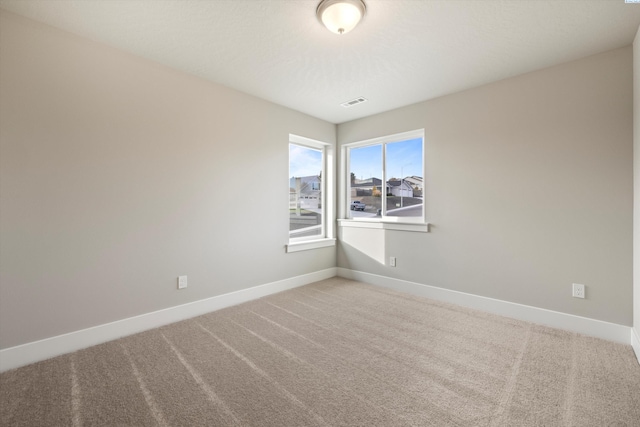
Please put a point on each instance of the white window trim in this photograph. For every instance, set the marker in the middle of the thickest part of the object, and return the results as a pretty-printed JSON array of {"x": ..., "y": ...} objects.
[
  {"x": 385, "y": 225},
  {"x": 417, "y": 224},
  {"x": 310, "y": 244},
  {"x": 327, "y": 237}
]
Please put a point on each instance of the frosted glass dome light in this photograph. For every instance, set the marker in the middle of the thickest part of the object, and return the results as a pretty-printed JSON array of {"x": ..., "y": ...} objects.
[{"x": 340, "y": 16}]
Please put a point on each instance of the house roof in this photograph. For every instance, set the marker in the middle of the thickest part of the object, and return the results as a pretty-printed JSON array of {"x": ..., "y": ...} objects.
[
  {"x": 397, "y": 183},
  {"x": 366, "y": 182}
]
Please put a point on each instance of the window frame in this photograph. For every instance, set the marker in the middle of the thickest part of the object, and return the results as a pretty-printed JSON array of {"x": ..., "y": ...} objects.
[
  {"x": 418, "y": 224},
  {"x": 327, "y": 236}
]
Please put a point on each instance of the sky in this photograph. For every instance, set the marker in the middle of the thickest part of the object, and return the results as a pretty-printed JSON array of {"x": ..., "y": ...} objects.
[
  {"x": 404, "y": 158},
  {"x": 304, "y": 161}
]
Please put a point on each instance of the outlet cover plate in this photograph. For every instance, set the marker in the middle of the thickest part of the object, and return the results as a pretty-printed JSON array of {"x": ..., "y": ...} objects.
[
  {"x": 182, "y": 282},
  {"x": 578, "y": 290}
]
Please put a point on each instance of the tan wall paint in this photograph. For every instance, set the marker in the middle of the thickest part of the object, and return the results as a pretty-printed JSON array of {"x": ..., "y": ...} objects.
[
  {"x": 529, "y": 187},
  {"x": 117, "y": 175},
  {"x": 636, "y": 186}
]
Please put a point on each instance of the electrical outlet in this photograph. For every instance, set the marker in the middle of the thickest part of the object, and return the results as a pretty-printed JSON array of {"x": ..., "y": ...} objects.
[
  {"x": 182, "y": 282},
  {"x": 392, "y": 261},
  {"x": 578, "y": 290}
]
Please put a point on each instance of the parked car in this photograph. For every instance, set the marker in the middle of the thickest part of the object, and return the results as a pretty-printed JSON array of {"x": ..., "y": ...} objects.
[{"x": 357, "y": 205}]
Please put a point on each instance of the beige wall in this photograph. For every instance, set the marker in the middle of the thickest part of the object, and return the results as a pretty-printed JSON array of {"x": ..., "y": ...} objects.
[
  {"x": 118, "y": 175},
  {"x": 636, "y": 187},
  {"x": 529, "y": 187}
]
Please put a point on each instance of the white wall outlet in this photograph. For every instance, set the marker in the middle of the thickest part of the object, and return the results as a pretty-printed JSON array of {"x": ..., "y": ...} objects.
[
  {"x": 578, "y": 290},
  {"x": 182, "y": 282},
  {"x": 392, "y": 261}
]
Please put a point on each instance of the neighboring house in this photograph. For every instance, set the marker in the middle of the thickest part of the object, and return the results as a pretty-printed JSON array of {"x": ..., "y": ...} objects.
[
  {"x": 416, "y": 183},
  {"x": 305, "y": 191},
  {"x": 364, "y": 187},
  {"x": 399, "y": 188}
]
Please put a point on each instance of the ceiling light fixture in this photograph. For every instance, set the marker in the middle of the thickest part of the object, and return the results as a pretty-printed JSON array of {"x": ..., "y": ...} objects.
[{"x": 340, "y": 16}]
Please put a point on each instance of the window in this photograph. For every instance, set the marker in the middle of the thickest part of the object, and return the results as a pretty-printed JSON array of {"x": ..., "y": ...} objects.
[
  {"x": 385, "y": 179},
  {"x": 310, "y": 170}
]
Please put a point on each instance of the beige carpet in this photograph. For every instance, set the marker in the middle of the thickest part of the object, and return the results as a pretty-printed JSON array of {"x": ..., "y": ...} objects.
[{"x": 334, "y": 353}]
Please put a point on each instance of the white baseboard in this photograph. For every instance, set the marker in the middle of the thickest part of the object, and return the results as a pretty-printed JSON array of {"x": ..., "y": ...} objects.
[
  {"x": 554, "y": 319},
  {"x": 36, "y": 351},
  {"x": 635, "y": 342}
]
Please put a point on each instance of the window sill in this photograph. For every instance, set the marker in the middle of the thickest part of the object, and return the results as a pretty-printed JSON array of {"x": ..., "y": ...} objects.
[
  {"x": 309, "y": 244},
  {"x": 383, "y": 225}
]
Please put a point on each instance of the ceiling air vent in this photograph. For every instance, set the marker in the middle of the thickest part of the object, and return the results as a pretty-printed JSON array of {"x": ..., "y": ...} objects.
[{"x": 354, "y": 102}]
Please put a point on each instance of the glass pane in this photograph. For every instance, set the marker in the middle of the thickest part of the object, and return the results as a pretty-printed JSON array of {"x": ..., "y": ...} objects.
[
  {"x": 404, "y": 178},
  {"x": 305, "y": 191},
  {"x": 365, "y": 171}
]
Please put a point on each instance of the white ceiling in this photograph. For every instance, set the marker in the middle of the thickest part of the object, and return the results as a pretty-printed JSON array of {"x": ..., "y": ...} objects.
[{"x": 403, "y": 52}]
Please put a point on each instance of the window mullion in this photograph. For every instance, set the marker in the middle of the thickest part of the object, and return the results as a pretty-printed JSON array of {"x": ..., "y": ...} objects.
[
  {"x": 323, "y": 194},
  {"x": 347, "y": 210},
  {"x": 383, "y": 192}
]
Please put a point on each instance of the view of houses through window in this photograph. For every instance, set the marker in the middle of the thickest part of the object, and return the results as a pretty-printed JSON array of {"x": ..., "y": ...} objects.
[
  {"x": 386, "y": 179},
  {"x": 305, "y": 192}
]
